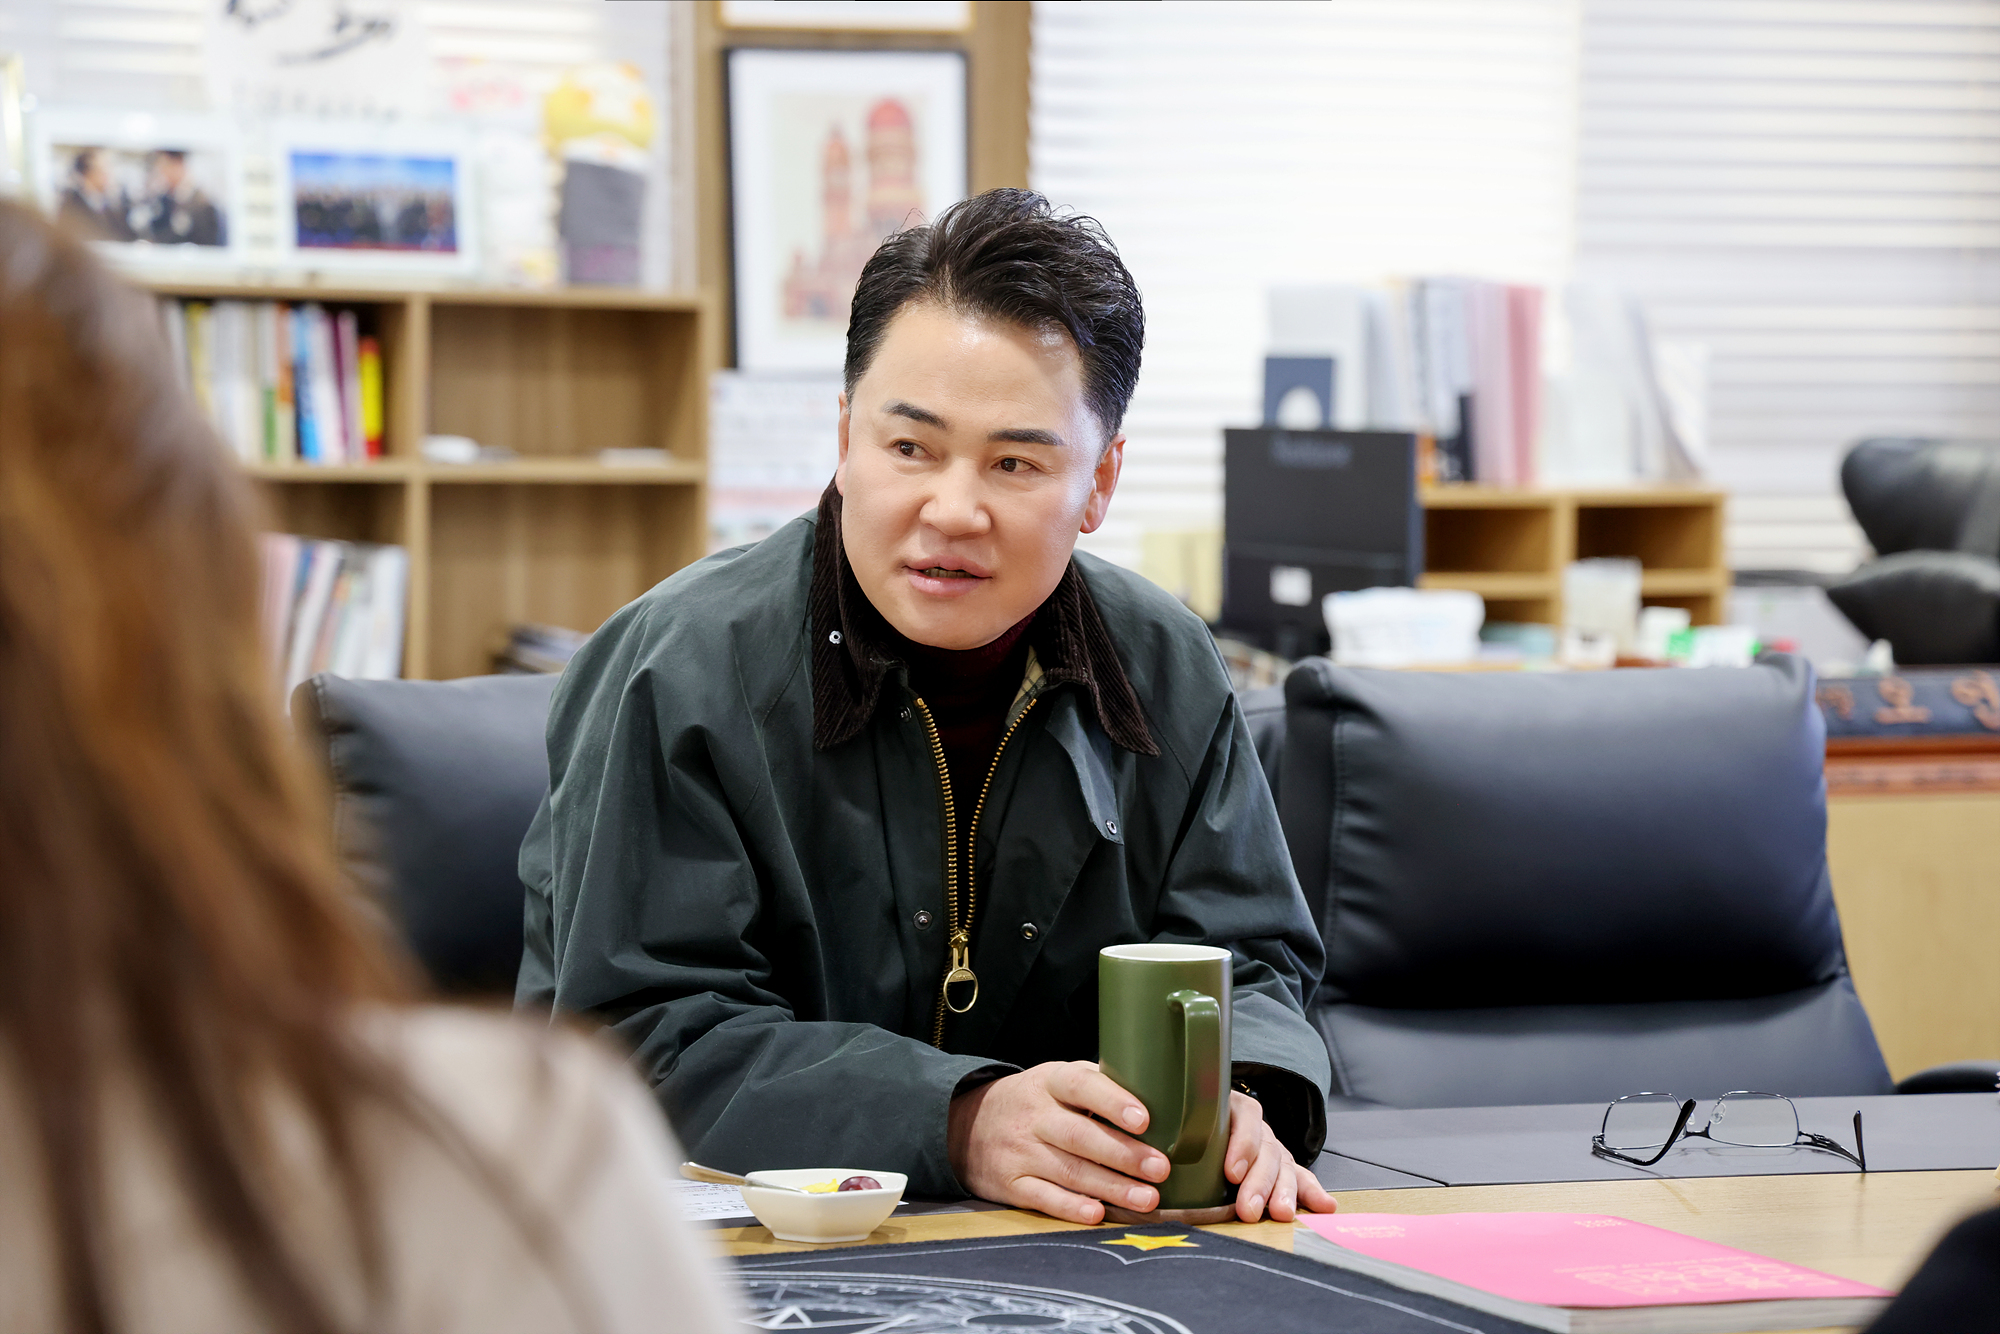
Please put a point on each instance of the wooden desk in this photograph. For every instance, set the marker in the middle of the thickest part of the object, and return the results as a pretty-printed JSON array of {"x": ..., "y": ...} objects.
[
  {"x": 1916, "y": 874},
  {"x": 1875, "y": 1228}
]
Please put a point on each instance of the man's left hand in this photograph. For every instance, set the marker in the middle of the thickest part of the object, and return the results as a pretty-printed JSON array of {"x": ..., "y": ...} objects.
[{"x": 1266, "y": 1177}]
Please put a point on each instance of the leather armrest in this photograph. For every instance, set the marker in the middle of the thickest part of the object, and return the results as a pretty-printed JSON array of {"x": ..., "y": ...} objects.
[
  {"x": 1932, "y": 606},
  {"x": 1955, "y": 1077},
  {"x": 1340, "y": 1102}
]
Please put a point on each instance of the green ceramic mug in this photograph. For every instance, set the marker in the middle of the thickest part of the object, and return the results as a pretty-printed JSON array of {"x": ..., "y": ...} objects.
[{"x": 1163, "y": 1035}]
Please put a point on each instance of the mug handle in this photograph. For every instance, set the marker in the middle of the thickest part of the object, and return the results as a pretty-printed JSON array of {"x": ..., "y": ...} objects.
[{"x": 1201, "y": 1073}]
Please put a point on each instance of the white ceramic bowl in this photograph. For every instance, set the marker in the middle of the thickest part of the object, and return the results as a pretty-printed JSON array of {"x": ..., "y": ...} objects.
[{"x": 839, "y": 1215}]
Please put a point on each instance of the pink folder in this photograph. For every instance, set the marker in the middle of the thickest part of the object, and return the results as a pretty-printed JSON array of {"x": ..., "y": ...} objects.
[{"x": 1576, "y": 1260}]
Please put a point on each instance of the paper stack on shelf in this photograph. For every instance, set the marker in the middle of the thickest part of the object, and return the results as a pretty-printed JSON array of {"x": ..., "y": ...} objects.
[
  {"x": 332, "y": 607},
  {"x": 1411, "y": 355},
  {"x": 282, "y": 383},
  {"x": 774, "y": 441},
  {"x": 1610, "y": 418},
  {"x": 1462, "y": 362}
]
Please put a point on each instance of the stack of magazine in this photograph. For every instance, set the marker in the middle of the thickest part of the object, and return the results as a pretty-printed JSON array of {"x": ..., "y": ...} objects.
[
  {"x": 537, "y": 649},
  {"x": 282, "y": 383},
  {"x": 333, "y": 607}
]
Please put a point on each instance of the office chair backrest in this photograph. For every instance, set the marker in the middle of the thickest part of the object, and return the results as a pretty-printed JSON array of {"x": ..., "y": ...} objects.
[
  {"x": 434, "y": 783},
  {"x": 1931, "y": 510},
  {"x": 1925, "y": 495},
  {"x": 1545, "y": 888}
]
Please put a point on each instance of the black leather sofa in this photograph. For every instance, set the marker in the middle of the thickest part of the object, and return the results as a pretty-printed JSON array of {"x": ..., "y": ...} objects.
[
  {"x": 434, "y": 783},
  {"x": 1566, "y": 887},
  {"x": 1533, "y": 888},
  {"x": 1931, "y": 510}
]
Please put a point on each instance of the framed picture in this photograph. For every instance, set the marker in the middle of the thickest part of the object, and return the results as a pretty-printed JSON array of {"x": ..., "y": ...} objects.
[
  {"x": 863, "y": 15},
  {"x": 830, "y": 152},
  {"x": 149, "y": 189},
  {"x": 382, "y": 197},
  {"x": 14, "y": 173}
]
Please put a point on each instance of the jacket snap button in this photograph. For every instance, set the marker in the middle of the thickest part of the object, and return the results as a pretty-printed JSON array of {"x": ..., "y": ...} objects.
[
  {"x": 833, "y": 638},
  {"x": 922, "y": 919},
  {"x": 1029, "y": 931},
  {"x": 1111, "y": 828}
]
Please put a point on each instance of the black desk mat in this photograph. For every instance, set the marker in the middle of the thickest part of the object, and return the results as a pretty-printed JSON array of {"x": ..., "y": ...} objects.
[
  {"x": 1489, "y": 1146},
  {"x": 1149, "y": 1280}
]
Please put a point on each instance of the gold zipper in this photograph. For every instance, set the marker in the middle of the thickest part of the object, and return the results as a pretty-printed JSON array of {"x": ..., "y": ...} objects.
[{"x": 960, "y": 967}]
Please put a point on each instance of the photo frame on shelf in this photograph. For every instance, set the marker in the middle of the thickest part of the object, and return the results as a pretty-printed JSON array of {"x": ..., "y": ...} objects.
[
  {"x": 849, "y": 15},
  {"x": 151, "y": 190},
  {"x": 15, "y": 179},
  {"x": 375, "y": 197},
  {"x": 830, "y": 151}
]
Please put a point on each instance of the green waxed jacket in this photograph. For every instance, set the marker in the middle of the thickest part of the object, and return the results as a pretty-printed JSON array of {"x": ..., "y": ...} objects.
[{"x": 740, "y": 864}]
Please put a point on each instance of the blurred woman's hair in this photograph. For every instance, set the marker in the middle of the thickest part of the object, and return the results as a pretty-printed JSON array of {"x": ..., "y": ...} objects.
[{"x": 171, "y": 920}]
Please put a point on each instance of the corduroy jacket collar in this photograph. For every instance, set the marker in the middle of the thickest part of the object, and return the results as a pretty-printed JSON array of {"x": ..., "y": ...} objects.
[{"x": 849, "y": 663}]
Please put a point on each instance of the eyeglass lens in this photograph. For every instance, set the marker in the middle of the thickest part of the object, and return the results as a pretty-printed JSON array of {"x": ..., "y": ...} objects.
[
  {"x": 1754, "y": 1120},
  {"x": 1641, "y": 1121}
]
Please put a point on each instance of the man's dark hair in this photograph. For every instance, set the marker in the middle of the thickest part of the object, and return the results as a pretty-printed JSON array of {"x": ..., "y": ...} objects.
[{"x": 1007, "y": 255}]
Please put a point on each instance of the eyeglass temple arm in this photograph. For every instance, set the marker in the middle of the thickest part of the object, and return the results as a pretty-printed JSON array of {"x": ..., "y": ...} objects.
[
  {"x": 1687, "y": 1110},
  {"x": 1860, "y": 1149}
]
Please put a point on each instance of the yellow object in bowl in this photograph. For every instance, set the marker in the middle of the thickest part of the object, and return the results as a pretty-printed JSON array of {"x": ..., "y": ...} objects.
[{"x": 823, "y": 1187}]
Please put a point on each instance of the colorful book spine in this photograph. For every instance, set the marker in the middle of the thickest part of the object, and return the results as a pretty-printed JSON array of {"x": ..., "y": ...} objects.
[
  {"x": 328, "y": 417},
  {"x": 198, "y": 355},
  {"x": 347, "y": 343},
  {"x": 285, "y": 448},
  {"x": 281, "y": 383},
  {"x": 309, "y": 441},
  {"x": 332, "y": 607},
  {"x": 371, "y": 396}
]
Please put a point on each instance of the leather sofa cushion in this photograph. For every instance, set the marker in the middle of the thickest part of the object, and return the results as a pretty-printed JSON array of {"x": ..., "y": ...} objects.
[
  {"x": 1523, "y": 839},
  {"x": 1264, "y": 714},
  {"x": 1807, "y": 1043},
  {"x": 1932, "y": 606},
  {"x": 434, "y": 784}
]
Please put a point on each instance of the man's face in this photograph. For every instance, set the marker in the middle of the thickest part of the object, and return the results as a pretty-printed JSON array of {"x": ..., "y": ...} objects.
[{"x": 969, "y": 463}]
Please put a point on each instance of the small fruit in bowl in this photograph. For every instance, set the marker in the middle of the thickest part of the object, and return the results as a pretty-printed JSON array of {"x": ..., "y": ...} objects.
[{"x": 821, "y": 1204}]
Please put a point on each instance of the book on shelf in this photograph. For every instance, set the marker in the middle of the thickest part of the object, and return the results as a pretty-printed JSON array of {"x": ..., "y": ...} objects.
[
  {"x": 1511, "y": 386},
  {"x": 535, "y": 649},
  {"x": 1585, "y": 1273},
  {"x": 283, "y": 383},
  {"x": 332, "y": 607},
  {"x": 1456, "y": 360}
]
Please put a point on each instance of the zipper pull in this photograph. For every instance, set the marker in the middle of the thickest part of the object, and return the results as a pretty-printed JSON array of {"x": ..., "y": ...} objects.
[{"x": 961, "y": 972}]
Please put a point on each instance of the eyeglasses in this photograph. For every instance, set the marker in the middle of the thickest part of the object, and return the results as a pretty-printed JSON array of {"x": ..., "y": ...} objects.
[{"x": 1652, "y": 1123}]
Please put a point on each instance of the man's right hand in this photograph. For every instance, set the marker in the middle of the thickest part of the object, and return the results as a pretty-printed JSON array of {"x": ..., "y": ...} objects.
[{"x": 1030, "y": 1140}]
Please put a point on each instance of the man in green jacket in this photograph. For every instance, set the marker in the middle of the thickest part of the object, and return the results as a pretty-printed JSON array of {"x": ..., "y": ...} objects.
[{"x": 838, "y": 823}]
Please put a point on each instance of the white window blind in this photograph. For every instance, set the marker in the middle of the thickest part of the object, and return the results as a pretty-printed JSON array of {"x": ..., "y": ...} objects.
[
  {"x": 1812, "y": 189},
  {"x": 1235, "y": 147},
  {"x": 1231, "y": 147}
]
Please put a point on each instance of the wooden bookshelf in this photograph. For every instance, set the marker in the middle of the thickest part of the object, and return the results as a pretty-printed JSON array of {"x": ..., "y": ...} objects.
[
  {"x": 1510, "y": 546},
  {"x": 553, "y": 537}
]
